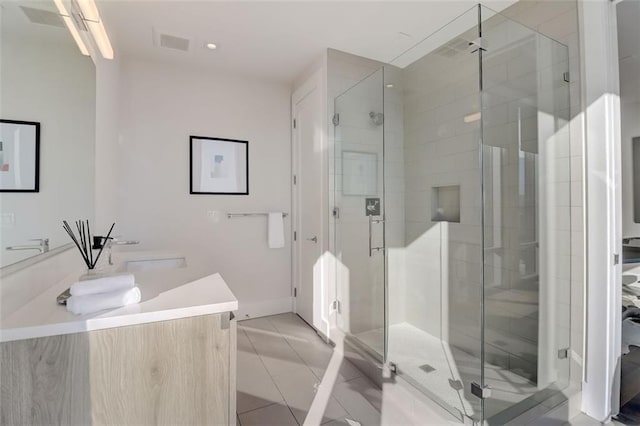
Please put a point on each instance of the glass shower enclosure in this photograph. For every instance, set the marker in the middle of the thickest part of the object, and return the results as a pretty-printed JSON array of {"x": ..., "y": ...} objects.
[{"x": 453, "y": 244}]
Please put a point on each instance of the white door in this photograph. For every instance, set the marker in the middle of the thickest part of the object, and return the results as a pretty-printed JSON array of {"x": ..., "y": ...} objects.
[{"x": 308, "y": 160}]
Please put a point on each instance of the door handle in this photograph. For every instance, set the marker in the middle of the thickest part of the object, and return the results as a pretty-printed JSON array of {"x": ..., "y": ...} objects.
[
  {"x": 314, "y": 239},
  {"x": 371, "y": 248}
]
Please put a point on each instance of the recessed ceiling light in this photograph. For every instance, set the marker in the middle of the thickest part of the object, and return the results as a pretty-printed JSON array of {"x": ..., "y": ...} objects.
[
  {"x": 211, "y": 46},
  {"x": 389, "y": 85}
]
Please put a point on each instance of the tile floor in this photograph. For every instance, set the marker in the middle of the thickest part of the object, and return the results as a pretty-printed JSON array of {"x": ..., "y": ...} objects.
[
  {"x": 281, "y": 364},
  {"x": 584, "y": 420},
  {"x": 287, "y": 375}
]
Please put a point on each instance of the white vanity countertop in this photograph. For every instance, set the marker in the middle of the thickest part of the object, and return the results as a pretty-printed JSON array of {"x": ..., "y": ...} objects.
[{"x": 167, "y": 294}]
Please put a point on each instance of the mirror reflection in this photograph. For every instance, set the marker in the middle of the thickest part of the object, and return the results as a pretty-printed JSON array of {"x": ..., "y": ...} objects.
[{"x": 48, "y": 84}]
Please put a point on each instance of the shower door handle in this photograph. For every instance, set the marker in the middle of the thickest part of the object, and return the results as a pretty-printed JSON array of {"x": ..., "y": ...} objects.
[{"x": 371, "y": 248}]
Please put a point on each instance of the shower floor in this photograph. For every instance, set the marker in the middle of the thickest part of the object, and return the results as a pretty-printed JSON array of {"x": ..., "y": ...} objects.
[{"x": 445, "y": 373}]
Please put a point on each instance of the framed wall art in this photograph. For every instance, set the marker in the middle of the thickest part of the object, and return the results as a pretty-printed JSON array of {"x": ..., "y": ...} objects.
[
  {"x": 218, "y": 166},
  {"x": 359, "y": 173},
  {"x": 19, "y": 156}
]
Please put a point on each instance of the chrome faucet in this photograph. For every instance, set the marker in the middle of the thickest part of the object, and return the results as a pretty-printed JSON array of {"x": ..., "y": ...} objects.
[
  {"x": 116, "y": 242},
  {"x": 42, "y": 246}
]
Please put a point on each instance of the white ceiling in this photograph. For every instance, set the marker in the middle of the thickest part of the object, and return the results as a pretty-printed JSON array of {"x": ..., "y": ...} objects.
[
  {"x": 276, "y": 40},
  {"x": 16, "y": 24}
]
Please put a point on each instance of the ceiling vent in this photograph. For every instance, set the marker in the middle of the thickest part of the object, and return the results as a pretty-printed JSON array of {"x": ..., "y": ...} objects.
[
  {"x": 173, "y": 42},
  {"x": 44, "y": 17},
  {"x": 168, "y": 41}
]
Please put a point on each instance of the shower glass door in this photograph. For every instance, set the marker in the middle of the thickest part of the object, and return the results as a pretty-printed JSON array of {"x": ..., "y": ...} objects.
[
  {"x": 527, "y": 217},
  {"x": 359, "y": 124}
]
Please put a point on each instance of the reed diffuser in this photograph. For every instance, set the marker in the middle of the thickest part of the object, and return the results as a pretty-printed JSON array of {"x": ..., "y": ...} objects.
[{"x": 83, "y": 241}]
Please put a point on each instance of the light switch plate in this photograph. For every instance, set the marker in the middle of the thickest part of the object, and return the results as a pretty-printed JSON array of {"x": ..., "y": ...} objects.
[{"x": 8, "y": 220}]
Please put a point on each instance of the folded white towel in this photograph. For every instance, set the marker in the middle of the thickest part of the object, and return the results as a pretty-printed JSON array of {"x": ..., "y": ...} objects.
[
  {"x": 276, "y": 230},
  {"x": 102, "y": 284},
  {"x": 91, "y": 303}
]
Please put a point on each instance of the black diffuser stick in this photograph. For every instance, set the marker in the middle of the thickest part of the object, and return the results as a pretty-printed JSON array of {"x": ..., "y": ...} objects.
[
  {"x": 67, "y": 228},
  {"x": 80, "y": 236},
  {"x": 84, "y": 240},
  {"x": 78, "y": 244},
  {"x": 89, "y": 242},
  {"x": 71, "y": 234},
  {"x": 75, "y": 240},
  {"x": 103, "y": 245}
]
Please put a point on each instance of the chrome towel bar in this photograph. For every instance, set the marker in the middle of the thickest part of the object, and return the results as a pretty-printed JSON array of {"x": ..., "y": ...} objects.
[{"x": 232, "y": 215}]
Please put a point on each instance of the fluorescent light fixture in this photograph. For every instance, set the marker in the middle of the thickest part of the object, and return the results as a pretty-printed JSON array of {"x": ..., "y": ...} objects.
[
  {"x": 101, "y": 38},
  {"x": 71, "y": 27},
  {"x": 89, "y": 10},
  {"x": 472, "y": 117},
  {"x": 92, "y": 20},
  {"x": 211, "y": 46}
]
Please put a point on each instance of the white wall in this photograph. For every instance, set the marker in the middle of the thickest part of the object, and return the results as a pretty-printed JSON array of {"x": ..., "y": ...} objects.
[
  {"x": 603, "y": 231},
  {"x": 160, "y": 107},
  {"x": 107, "y": 166}
]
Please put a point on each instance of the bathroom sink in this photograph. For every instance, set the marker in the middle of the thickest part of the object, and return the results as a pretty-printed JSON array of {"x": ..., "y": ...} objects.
[{"x": 154, "y": 264}]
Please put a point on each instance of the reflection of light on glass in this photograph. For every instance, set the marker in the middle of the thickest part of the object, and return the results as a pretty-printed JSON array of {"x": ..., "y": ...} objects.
[
  {"x": 521, "y": 158},
  {"x": 472, "y": 117}
]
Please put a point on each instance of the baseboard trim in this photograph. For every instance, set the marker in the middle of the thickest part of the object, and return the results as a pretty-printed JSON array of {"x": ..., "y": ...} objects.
[{"x": 248, "y": 310}]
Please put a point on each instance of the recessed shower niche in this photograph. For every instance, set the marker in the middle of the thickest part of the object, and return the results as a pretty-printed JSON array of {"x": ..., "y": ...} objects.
[{"x": 445, "y": 203}]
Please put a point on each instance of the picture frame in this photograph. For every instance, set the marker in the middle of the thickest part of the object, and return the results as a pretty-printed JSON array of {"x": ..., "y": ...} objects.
[
  {"x": 218, "y": 166},
  {"x": 19, "y": 156},
  {"x": 359, "y": 173}
]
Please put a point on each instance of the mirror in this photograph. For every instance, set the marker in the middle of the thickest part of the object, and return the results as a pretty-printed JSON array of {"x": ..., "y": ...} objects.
[
  {"x": 44, "y": 79},
  {"x": 628, "y": 13}
]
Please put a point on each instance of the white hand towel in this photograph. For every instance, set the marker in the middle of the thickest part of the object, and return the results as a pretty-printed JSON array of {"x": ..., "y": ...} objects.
[
  {"x": 91, "y": 303},
  {"x": 103, "y": 284},
  {"x": 276, "y": 230}
]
